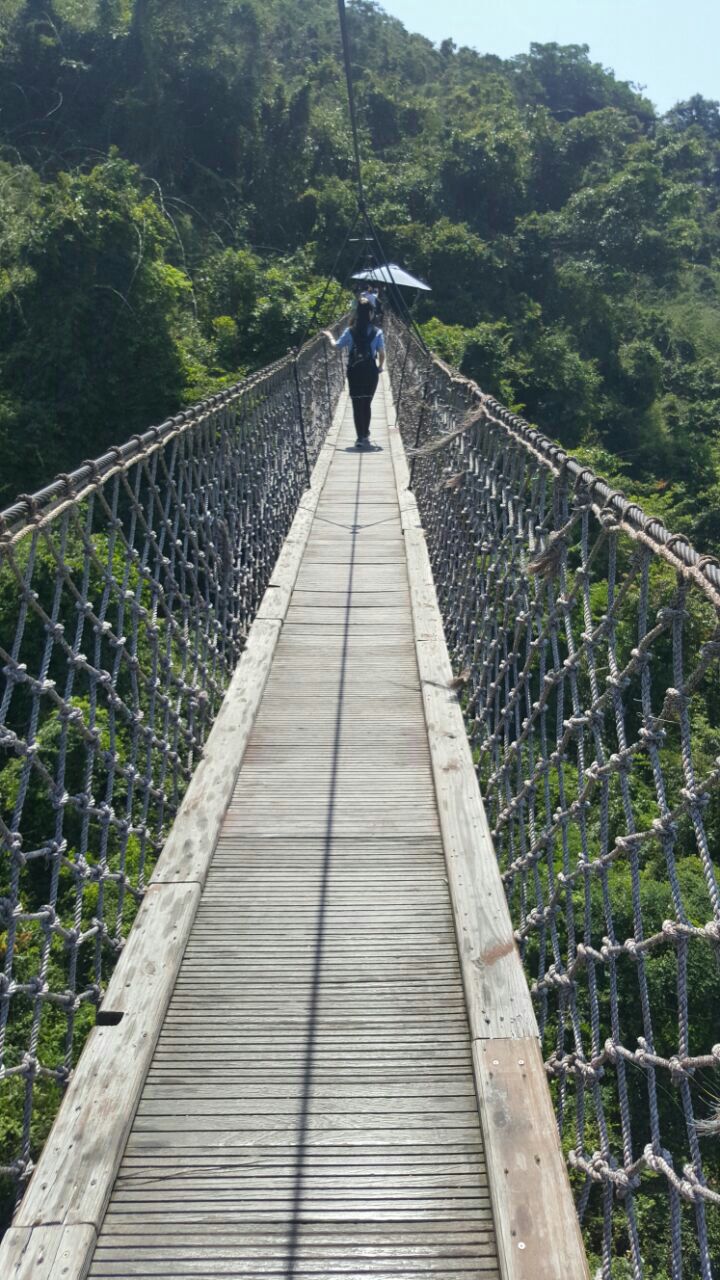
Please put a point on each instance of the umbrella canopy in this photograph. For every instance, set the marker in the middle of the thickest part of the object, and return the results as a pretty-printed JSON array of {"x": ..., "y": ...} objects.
[{"x": 391, "y": 273}]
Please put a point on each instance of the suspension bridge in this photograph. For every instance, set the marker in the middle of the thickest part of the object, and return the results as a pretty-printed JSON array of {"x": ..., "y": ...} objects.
[{"x": 330, "y": 783}]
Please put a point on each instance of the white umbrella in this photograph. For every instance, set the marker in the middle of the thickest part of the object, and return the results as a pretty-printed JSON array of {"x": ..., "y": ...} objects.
[{"x": 391, "y": 273}]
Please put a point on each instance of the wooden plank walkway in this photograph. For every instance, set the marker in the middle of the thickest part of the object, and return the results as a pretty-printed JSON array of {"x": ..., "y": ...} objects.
[{"x": 310, "y": 1109}]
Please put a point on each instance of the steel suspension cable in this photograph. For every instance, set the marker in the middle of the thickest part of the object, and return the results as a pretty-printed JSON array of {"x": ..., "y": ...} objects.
[
  {"x": 362, "y": 203},
  {"x": 351, "y": 102},
  {"x": 400, "y": 302},
  {"x": 330, "y": 278}
]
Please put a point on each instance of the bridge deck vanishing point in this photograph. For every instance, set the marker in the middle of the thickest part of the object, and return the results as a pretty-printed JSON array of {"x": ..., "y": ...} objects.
[{"x": 310, "y": 1109}]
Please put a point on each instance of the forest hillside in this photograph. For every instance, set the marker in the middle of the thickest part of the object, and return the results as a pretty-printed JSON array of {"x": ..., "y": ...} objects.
[{"x": 175, "y": 180}]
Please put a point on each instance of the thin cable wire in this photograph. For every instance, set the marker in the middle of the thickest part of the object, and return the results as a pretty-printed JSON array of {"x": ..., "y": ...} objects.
[
  {"x": 395, "y": 293},
  {"x": 400, "y": 302},
  {"x": 351, "y": 101},
  {"x": 332, "y": 276}
]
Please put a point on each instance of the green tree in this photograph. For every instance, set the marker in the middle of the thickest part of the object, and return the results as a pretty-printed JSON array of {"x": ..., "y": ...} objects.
[{"x": 92, "y": 317}]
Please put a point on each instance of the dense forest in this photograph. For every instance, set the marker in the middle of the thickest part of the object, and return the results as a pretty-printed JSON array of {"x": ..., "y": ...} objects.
[{"x": 176, "y": 181}]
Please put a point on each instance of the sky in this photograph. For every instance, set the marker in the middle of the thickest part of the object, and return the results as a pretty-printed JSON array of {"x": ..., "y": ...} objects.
[{"x": 670, "y": 48}]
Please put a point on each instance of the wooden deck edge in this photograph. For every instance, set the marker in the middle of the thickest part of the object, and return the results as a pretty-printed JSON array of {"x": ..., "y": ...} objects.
[
  {"x": 49, "y": 1253},
  {"x": 55, "y": 1228},
  {"x": 536, "y": 1224}
]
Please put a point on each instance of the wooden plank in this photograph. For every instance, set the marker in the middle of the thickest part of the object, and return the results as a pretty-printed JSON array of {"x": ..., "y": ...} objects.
[
  {"x": 414, "y": 1168},
  {"x": 348, "y": 530},
  {"x": 325, "y": 546},
  {"x": 390, "y": 1094},
  {"x": 345, "y": 1259},
  {"x": 48, "y": 1253},
  {"x": 358, "y": 577},
  {"x": 252, "y": 1107},
  {"x": 496, "y": 989},
  {"x": 538, "y": 1230},
  {"x": 349, "y": 599},
  {"x": 432, "y": 1177},
  {"x": 231, "y": 1268},
  {"x": 321, "y": 1235},
  {"x": 292, "y": 1141}
]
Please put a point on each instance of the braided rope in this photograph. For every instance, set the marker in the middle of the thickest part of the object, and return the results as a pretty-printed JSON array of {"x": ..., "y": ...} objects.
[
  {"x": 588, "y": 640},
  {"x": 126, "y": 594}
]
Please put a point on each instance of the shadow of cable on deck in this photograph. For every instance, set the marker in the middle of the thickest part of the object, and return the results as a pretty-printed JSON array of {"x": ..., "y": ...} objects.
[{"x": 311, "y": 1036}]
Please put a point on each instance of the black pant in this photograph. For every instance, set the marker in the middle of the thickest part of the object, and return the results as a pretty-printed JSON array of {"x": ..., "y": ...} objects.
[{"x": 361, "y": 413}]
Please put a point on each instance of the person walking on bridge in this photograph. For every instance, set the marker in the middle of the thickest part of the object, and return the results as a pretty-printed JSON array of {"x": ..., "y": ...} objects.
[
  {"x": 366, "y": 358},
  {"x": 372, "y": 295}
]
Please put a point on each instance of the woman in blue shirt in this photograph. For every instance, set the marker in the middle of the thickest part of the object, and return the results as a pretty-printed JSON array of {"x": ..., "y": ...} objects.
[{"x": 366, "y": 345}]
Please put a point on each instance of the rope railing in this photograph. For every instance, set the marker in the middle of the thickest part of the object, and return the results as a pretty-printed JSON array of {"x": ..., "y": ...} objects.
[
  {"x": 126, "y": 592},
  {"x": 586, "y": 640}
]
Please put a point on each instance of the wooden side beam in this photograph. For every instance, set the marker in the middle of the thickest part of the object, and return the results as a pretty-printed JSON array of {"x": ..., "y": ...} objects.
[
  {"x": 48, "y": 1253},
  {"x": 537, "y": 1229}
]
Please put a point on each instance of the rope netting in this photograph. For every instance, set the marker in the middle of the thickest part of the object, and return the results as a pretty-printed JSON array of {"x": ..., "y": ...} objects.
[
  {"x": 587, "y": 641},
  {"x": 126, "y": 593}
]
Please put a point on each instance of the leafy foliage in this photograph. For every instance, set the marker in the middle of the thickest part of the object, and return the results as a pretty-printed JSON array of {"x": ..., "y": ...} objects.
[{"x": 176, "y": 180}]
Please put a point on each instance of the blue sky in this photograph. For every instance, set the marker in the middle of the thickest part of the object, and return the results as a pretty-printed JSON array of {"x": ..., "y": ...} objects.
[{"x": 671, "y": 48}]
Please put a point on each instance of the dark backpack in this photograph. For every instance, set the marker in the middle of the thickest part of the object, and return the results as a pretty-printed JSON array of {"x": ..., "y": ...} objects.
[{"x": 362, "y": 370}]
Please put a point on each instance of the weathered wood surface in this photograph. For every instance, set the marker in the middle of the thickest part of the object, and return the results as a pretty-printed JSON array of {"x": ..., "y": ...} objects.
[
  {"x": 310, "y": 1109},
  {"x": 48, "y": 1253},
  {"x": 527, "y": 1170}
]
